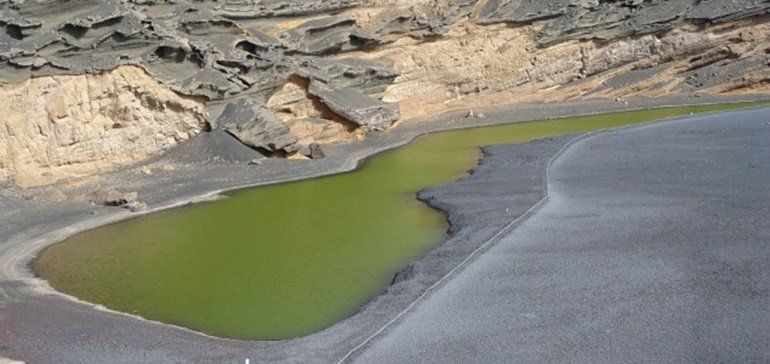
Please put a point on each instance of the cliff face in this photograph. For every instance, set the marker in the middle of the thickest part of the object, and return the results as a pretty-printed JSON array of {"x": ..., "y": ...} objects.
[
  {"x": 65, "y": 126},
  {"x": 487, "y": 65},
  {"x": 279, "y": 75}
]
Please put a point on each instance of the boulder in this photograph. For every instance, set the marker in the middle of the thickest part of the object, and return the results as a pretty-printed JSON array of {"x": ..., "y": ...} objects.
[
  {"x": 112, "y": 197},
  {"x": 354, "y": 106},
  {"x": 256, "y": 126},
  {"x": 313, "y": 151}
]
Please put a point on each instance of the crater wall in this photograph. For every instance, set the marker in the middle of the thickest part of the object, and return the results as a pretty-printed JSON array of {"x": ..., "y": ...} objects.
[{"x": 281, "y": 75}]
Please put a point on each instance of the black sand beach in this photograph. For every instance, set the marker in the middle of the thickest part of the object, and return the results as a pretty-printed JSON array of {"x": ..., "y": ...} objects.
[{"x": 39, "y": 325}]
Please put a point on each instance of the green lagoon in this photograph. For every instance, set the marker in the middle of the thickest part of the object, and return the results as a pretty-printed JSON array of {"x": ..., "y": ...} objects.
[{"x": 291, "y": 259}]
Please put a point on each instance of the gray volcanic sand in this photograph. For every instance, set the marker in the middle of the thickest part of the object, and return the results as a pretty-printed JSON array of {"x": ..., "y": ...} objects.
[
  {"x": 652, "y": 247},
  {"x": 39, "y": 325}
]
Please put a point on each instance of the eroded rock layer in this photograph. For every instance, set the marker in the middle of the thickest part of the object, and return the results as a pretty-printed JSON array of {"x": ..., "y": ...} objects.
[
  {"x": 281, "y": 75},
  {"x": 62, "y": 126}
]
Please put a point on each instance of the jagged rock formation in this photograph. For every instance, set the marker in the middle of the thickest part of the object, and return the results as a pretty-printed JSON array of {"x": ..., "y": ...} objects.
[
  {"x": 596, "y": 19},
  {"x": 488, "y": 65},
  {"x": 256, "y": 126},
  {"x": 280, "y": 75}
]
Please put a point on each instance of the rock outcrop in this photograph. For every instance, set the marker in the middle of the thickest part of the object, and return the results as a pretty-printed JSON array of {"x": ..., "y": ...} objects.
[
  {"x": 356, "y": 107},
  {"x": 494, "y": 64},
  {"x": 62, "y": 126},
  {"x": 565, "y": 20},
  {"x": 321, "y": 71},
  {"x": 256, "y": 126}
]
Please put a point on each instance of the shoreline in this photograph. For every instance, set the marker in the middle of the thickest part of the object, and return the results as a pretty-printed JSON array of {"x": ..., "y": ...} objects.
[
  {"x": 348, "y": 166},
  {"x": 541, "y": 287},
  {"x": 569, "y": 141},
  {"x": 15, "y": 265}
]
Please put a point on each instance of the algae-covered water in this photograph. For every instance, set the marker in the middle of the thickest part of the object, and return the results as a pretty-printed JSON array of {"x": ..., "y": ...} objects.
[{"x": 287, "y": 260}]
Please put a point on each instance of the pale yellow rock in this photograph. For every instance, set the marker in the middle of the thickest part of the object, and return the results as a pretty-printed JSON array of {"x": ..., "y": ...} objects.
[
  {"x": 309, "y": 119},
  {"x": 74, "y": 126},
  {"x": 323, "y": 131},
  {"x": 476, "y": 66},
  {"x": 69, "y": 126}
]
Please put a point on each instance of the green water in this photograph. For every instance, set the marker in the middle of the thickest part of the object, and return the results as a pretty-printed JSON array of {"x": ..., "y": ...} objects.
[{"x": 287, "y": 260}]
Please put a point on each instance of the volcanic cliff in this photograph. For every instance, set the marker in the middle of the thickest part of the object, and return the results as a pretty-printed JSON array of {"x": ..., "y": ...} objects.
[{"x": 91, "y": 85}]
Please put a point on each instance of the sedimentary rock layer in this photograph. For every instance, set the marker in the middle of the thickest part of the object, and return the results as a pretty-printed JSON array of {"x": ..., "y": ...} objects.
[
  {"x": 487, "y": 65},
  {"x": 66, "y": 126}
]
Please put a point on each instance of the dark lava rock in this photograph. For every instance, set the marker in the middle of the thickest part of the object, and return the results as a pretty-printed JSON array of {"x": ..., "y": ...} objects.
[
  {"x": 214, "y": 146},
  {"x": 511, "y": 11},
  {"x": 328, "y": 35},
  {"x": 256, "y": 126},
  {"x": 370, "y": 76},
  {"x": 253, "y": 9},
  {"x": 356, "y": 107},
  {"x": 588, "y": 19},
  {"x": 113, "y": 198}
]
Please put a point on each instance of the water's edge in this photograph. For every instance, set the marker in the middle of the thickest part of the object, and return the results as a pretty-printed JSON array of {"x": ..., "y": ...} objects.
[{"x": 20, "y": 267}]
